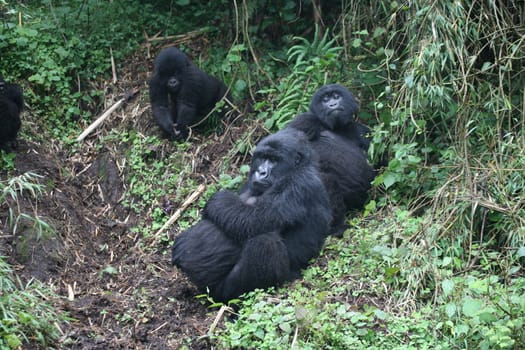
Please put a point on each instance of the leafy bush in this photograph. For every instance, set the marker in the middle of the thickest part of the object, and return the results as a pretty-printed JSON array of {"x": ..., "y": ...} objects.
[{"x": 312, "y": 62}]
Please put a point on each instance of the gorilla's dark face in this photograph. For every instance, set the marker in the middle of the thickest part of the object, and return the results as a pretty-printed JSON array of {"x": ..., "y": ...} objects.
[
  {"x": 173, "y": 85},
  {"x": 275, "y": 159},
  {"x": 262, "y": 171},
  {"x": 171, "y": 66},
  {"x": 334, "y": 105},
  {"x": 332, "y": 102}
]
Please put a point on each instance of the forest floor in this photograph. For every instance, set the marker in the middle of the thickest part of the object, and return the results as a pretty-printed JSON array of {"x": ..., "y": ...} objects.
[{"x": 119, "y": 288}]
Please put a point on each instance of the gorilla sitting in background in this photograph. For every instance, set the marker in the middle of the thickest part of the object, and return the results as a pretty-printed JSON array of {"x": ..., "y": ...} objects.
[
  {"x": 180, "y": 93},
  {"x": 341, "y": 145},
  {"x": 265, "y": 235},
  {"x": 11, "y": 105}
]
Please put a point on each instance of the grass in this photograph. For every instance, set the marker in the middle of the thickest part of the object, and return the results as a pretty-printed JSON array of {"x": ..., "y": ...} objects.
[{"x": 27, "y": 312}]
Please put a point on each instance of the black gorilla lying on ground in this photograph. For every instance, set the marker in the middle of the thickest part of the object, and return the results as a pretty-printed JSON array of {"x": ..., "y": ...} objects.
[
  {"x": 341, "y": 145},
  {"x": 180, "y": 93},
  {"x": 11, "y": 105},
  {"x": 265, "y": 235}
]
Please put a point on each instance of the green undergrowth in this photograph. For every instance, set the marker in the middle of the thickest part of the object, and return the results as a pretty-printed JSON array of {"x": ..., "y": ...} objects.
[
  {"x": 159, "y": 178},
  {"x": 363, "y": 293},
  {"x": 27, "y": 313}
]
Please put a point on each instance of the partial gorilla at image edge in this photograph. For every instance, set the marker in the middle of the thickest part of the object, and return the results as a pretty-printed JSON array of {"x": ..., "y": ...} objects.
[
  {"x": 11, "y": 105},
  {"x": 180, "y": 93},
  {"x": 265, "y": 235}
]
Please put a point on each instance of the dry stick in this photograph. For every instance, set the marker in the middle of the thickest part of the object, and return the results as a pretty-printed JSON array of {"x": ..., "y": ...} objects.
[
  {"x": 179, "y": 211},
  {"x": 294, "y": 341},
  {"x": 113, "y": 67},
  {"x": 127, "y": 96},
  {"x": 179, "y": 37},
  {"x": 100, "y": 119},
  {"x": 223, "y": 309}
]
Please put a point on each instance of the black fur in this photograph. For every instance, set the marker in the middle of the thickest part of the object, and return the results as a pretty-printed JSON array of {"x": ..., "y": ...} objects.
[
  {"x": 341, "y": 146},
  {"x": 180, "y": 93},
  {"x": 265, "y": 235},
  {"x": 11, "y": 105}
]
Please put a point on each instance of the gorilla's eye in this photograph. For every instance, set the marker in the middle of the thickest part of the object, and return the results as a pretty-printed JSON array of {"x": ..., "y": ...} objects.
[{"x": 273, "y": 159}]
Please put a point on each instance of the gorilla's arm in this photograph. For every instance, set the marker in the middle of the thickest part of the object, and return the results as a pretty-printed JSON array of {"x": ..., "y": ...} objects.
[
  {"x": 186, "y": 115},
  {"x": 240, "y": 220},
  {"x": 160, "y": 106},
  {"x": 309, "y": 124}
]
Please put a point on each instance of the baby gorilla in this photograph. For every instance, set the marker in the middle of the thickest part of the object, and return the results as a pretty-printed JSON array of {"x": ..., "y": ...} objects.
[
  {"x": 265, "y": 235},
  {"x": 341, "y": 146},
  {"x": 11, "y": 105},
  {"x": 180, "y": 93}
]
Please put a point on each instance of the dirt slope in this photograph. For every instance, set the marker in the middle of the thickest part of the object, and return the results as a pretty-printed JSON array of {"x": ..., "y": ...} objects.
[{"x": 121, "y": 296}]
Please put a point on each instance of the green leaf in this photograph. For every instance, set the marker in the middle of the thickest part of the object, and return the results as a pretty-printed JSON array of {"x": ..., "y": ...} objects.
[
  {"x": 487, "y": 317},
  {"x": 361, "y": 32},
  {"x": 389, "y": 179},
  {"x": 446, "y": 261},
  {"x": 450, "y": 310},
  {"x": 62, "y": 52},
  {"x": 110, "y": 270},
  {"x": 521, "y": 252},
  {"x": 27, "y": 31},
  {"x": 380, "y": 314},
  {"x": 448, "y": 286},
  {"x": 391, "y": 271},
  {"x": 301, "y": 313},
  {"x": 471, "y": 307},
  {"x": 240, "y": 85},
  {"x": 486, "y": 66},
  {"x": 379, "y": 31},
  {"x": 285, "y": 327},
  {"x": 13, "y": 341},
  {"x": 409, "y": 81},
  {"x": 461, "y": 329}
]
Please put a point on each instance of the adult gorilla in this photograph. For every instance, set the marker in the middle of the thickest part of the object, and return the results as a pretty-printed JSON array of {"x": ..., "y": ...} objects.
[
  {"x": 11, "y": 104},
  {"x": 341, "y": 145},
  {"x": 265, "y": 235},
  {"x": 180, "y": 93}
]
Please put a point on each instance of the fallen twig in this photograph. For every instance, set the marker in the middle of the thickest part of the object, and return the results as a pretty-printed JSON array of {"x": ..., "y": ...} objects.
[
  {"x": 179, "y": 38},
  {"x": 106, "y": 114},
  {"x": 113, "y": 66},
  {"x": 196, "y": 194},
  {"x": 219, "y": 316}
]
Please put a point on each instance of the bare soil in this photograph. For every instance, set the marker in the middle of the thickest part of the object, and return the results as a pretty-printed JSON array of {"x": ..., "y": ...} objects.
[{"x": 120, "y": 290}]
